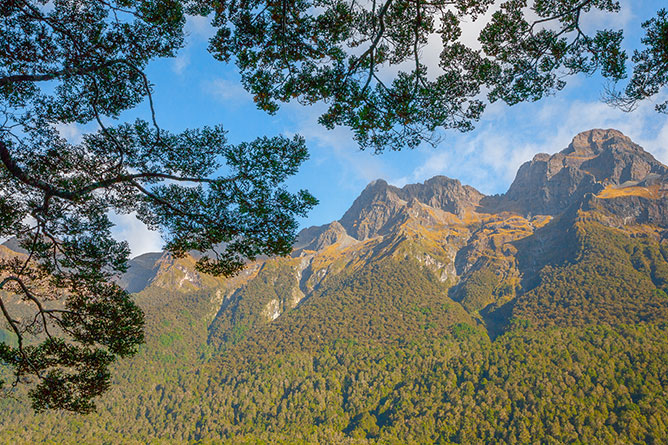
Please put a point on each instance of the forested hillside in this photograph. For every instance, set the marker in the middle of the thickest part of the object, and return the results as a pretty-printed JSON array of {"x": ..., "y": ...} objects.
[{"x": 427, "y": 314}]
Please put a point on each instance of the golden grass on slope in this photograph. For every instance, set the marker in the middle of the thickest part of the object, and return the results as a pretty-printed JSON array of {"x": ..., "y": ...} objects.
[
  {"x": 651, "y": 192},
  {"x": 540, "y": 221},
  {"x": 181, "y": 274}
]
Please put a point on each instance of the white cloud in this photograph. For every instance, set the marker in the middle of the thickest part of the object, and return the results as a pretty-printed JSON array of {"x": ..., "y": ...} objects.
[
  {"x": 198, "y": 27},
  {"x": 337, "y": 146},
  {"x": 139, "y": 237},
  {"x": 71, "y": 132},
  {"x": 489, "y": 157},
  {"x": 197, "y": 31},
  {"x": 597, "y": 19},
  {"x": 181, "y": 62},
  {"x": 644, "y": 126}
]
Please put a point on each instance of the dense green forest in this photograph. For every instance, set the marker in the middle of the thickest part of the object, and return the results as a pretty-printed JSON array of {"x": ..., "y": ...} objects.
[{"x": 383, "y": 354}]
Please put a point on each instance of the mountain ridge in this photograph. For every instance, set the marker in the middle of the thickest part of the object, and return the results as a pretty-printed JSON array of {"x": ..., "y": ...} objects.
[
  {"x": 458, "y": 232},
  {"x": 488, "y": 250},
  {"x": 546, "y": 185}
]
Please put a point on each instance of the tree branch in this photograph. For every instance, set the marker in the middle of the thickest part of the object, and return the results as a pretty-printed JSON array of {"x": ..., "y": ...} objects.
[
  {"x": 15, "y": 78},
  {"x": 75, "y": 195}
]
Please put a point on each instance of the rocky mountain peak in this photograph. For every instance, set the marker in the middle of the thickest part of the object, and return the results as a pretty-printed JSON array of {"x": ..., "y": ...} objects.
[
  {"x": 595, "y": 159},
  {"x": 378, "y": 190},
  {"x": 380, "y": 204},
  {"x": 596, "y": 141},
  {"x": 319, "y": 237},
  {"x": 373, "y": 209}
]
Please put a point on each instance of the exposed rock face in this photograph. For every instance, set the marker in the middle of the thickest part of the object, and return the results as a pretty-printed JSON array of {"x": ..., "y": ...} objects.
[
  {"x": 594, "y": 160},
  {"x": 381, "y": 206},
  {"x": 307, "y": 235},
  {"x": 624, "y": 210},
  {"x": 611, "y": 157},
  {"x": 325, "y": 236},
  {"x": 13, "y": 245},
  {"x": 161, "y": 269},
  {"x": 443, "y": 193},
  {"x": 459, "y": 233},
  {"x": 141, "y": 272},
  {"x": 375, "y": 208}
]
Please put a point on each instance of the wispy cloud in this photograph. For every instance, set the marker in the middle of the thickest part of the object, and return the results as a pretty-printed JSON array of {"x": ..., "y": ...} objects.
[
  {"x": 597, "y": 19},
  {"x": 198, "y": 27},
  {"x": 139, "y": 237},
  {"x": 181, "y": 62},
  {"x": 71, "y": 132},
  {"x": 198, "y": 30},
  {"x": 644, "y": 126},
  {"x": 232, "y": 93},
  {"x": 327, "y": 147},
  {"x": 487, "y": 160}
]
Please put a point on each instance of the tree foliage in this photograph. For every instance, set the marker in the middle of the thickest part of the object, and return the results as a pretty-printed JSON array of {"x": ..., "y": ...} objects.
[
  {"x": 71, "y": 62},
  {"x": 379, "y": 69},
  {"x": 650, "y": 73}
]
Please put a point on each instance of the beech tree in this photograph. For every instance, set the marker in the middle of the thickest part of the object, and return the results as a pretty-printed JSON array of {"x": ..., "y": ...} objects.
[
  {"x": 79, "y": 62},
  {"x": 84, "y": 62}
]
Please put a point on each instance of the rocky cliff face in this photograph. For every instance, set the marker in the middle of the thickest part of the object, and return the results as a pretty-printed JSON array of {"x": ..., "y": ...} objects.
[
  {"x": 373, "y": 211},
  {"x": 595, "y": 160},
  {"x": 381, "y": 206},
  {"x": 443, "y": 193}
]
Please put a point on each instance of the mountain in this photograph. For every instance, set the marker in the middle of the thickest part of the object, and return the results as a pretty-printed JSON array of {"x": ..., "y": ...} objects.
[{"x": 429, "y": 313}]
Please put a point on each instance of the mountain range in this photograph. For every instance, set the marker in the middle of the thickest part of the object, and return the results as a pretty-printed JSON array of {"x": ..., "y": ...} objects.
[
  {"x": 426, "y": 313},
  {"x": 602, "y": 180}
]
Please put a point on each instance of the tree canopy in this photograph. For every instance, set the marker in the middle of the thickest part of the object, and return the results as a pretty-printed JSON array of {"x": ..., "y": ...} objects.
[
  {"x": 84, "y": 62},
  {"x": 77, "y": 62}
]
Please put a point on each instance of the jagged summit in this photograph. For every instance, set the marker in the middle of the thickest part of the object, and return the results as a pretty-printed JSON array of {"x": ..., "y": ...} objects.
[
  {"x": 596, "y": 141},
  {"x": 445, "y": 194},
  {"x": 594, "y": 160},
  {"x": 547, "y": 185},
  {"x": 380, "y": 204},
  {"x": 376, "y": 206}
]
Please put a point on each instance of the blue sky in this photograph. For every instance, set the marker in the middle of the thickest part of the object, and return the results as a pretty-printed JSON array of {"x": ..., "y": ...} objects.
[{"x": 194, "y": 90}]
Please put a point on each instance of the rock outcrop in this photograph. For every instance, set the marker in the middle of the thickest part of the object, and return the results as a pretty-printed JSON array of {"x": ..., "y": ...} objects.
[
  {"x": 373, "y": 211},
  {"x": 381, "y": 206}
]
